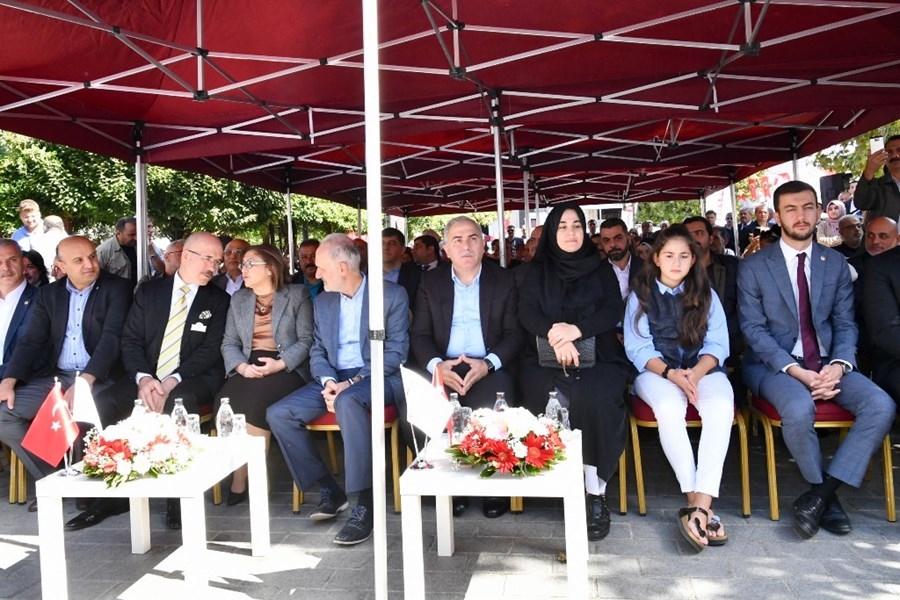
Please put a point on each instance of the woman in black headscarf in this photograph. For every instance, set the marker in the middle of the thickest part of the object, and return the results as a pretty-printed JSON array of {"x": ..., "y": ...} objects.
[{"x": 568, "y": 296}]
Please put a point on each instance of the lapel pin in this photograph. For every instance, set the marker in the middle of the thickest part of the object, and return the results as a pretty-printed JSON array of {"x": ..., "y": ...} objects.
[{"x": 822, "y": 257}]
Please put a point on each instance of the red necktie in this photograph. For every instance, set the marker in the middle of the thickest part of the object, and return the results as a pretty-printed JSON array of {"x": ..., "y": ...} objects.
[{"x": 811, "y": 355}]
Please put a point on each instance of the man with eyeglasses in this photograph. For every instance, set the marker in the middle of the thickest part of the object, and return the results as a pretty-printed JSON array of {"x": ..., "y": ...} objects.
[
  {"x": 881, "y": 197},
  {"x": 171, "y": 348},
  {"x": 231, "y": 279},
  {"x": 850, "y": 229}
]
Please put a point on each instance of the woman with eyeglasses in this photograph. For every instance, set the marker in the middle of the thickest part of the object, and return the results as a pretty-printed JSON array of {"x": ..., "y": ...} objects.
[{"x": 268, "y": 335}]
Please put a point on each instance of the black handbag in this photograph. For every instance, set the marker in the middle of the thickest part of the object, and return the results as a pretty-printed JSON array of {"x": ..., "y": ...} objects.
[{"x": 587, "y": 353}]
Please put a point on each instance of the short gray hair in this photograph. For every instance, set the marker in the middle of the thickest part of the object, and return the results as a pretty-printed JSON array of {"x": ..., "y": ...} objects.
[
  {"x": 456, "y": 221},
  {"x": 11, "y": 244},
  {"x": 341, "y": 248}
]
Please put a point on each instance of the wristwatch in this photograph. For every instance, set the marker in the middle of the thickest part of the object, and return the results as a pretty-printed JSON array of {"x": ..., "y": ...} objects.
[
  {"x": 354, "y": 380},
  {"x": 665, "y": 373},
  {"x": 490, "y": 366},
  {"x": 846, "y": 367}
]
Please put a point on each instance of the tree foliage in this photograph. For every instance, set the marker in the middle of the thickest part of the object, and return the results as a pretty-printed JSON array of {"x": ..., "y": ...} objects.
[
  {"x": 674, "y": 211},
  {"x": 850, "y": 156},
  {"x": 90, "y": 192}
]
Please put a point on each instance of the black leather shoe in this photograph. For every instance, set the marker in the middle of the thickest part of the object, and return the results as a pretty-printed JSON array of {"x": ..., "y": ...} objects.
[
  {"x": 331, "y": 502},
  {"x": 808, "y": 510},
  {"x": 236, "y": 497},
  {"x": 495, "y": 507},
  {"x": 173, "y": 513},
  {"x": 834, "y": 519},
  {"x": 598, "y": 518},
  {"x": 33, "y": 506},
  {"x": 460, "y": 504},
  {"x": 99, "y": 511},
  {"x": 358, "y": 528}
]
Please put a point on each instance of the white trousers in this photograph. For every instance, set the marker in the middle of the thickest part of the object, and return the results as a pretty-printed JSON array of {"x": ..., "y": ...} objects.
[{"x": 716, "y": 407}]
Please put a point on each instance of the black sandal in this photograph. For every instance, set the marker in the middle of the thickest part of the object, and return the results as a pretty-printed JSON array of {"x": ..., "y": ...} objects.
[
  {"x": 684, "y": 519},
  {"x": 714, "y": 525}
]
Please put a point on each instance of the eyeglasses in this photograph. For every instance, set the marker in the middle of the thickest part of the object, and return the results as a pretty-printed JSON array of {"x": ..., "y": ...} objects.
[
  {"x": 235, "y": 251},
  {"x": 854, "y": 226},
  {"x": 212, "y": 261},
  {"x": 172, "y": 252},
  {"x": 248, "y": 264}
]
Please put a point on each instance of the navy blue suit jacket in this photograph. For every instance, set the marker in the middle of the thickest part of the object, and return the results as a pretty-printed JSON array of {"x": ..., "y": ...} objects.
[{"x": 18, "y": 324}]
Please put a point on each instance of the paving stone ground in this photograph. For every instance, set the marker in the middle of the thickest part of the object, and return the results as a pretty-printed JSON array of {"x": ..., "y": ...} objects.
[{"x": 514, "y": 557}]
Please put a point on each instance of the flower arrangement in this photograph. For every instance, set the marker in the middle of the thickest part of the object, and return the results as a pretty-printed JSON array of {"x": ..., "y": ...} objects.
[
  {"x": 511, "y": 441},
  {"x": 143, "y": 445}
]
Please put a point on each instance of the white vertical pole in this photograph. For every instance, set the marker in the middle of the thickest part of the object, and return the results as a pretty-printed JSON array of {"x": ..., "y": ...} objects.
[
  {"x": 140, "y": 212},
  {"x": 375, "y": 284},
  {"x": 288, "y": 209},
  {"x": 527, "y": 230},
  {"x": 200, "y": 79},
  {"x": 498, "y": 176}
]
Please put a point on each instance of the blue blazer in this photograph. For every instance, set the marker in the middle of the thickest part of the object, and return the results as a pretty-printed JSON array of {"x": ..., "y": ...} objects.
[
  {"x": 768, "y": 310},
  {"x": 17, "y": 324},
  {"x": 323, "y": 356}
]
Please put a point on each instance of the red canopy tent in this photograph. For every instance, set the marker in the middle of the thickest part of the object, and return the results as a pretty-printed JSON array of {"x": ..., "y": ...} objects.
[{"x": 599, "y": 103}]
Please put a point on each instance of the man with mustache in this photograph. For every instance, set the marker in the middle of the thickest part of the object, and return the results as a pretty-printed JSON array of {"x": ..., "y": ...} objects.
[
  {"x": 307, "y": 273},
  {"x": 615, "y": 242},
  {"x": 171, "y": 348},
  {"x": 881, "y": 197},
  {"x": 75, "y": 326},
  {"x": 801, "y": 349}
]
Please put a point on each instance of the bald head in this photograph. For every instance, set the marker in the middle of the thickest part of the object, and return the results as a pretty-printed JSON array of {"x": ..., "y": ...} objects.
[
  {"x": 201, "y": 258},
  {"x": 881, "y": 235}
]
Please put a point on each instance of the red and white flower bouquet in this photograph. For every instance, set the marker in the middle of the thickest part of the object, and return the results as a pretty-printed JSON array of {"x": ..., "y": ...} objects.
[
  {"x": 511, "y": 441},
  {"x": 143, "y": 445}
]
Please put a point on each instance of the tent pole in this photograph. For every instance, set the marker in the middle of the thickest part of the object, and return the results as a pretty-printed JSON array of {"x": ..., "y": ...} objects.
[
  {"x": 375, "y": 285},
  {"x": 288, "y": 209},
  {"x": 735, "y": 220},
  {"x": 140, "y": 203},
  {"x": 359, "y": 228},
  {"x": 795, "y": 151},
  {"x": 496, "y": 124},
  {"x": 527, "y": 228}
]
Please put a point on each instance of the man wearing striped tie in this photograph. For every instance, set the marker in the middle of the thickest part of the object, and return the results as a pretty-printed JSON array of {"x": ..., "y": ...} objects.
[{"x": 171, "y": 348}]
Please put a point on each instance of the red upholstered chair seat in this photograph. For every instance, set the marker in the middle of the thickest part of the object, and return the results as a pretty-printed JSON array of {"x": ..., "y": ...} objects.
[
  {"x": 825, "y": 411},
  {"x": 829, "y": 415},
  {"x": 329, "y": 419},
  {"x": 641, "y": 415}
]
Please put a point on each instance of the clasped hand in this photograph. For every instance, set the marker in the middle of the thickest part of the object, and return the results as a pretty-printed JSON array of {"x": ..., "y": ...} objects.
[
  {"x": 822, "y": 385},
  {"x": 154, "y": 393},
  {"x": 461, "y": 385},
  {"x": 269, "y": 366},
  {"x": 330, "y": 392},
  {"x": 561, "y": 338}
]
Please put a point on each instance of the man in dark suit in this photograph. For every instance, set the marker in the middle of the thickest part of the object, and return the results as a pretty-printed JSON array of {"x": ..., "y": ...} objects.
[
  {"x": 171, "y": 348},
  {"x": 16, "y": 299},
  {"x": 75, "y": 323},
  {"x": 801, "y": 349},
  {"x": 880, "y": 196},
  {"x": 406, "y": 275},
  {"x": 881, "y": 308},
  {"x": 231, "y": 279},
  {"x": 341, "y": 366},
  {"x": 465, "y": 326},
  {"x": 616, "y": 243}
]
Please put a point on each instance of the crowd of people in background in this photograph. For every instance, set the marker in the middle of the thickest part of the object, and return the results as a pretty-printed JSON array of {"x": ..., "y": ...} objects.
[{"x": 792, "y": 304}]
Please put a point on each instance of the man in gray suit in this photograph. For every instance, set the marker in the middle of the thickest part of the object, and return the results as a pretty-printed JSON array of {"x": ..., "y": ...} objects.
[
  {"x": 801, "y": 349},
  {"x": 340, "y": 362}
]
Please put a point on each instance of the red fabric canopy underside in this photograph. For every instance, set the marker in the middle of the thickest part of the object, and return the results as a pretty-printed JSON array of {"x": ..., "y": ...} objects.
[{"x": 599, "y": 102}]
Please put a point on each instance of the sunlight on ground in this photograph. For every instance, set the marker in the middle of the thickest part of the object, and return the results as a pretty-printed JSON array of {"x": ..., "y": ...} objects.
[{"x": 15, "y": 548}]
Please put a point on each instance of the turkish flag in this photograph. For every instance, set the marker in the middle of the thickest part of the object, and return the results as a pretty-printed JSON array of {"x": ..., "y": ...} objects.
[{"x": 52, "y": 431}]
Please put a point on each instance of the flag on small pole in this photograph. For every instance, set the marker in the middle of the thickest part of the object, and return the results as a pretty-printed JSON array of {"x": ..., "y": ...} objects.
[
  {"x": 52, "y": 431},
  {"x": 83, "y": 407}
]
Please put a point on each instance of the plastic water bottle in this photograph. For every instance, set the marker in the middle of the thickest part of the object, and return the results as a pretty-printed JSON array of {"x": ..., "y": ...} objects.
[
  {"x": 139, "y": 408},
  {"x": 455, "y": 407},
  {"x": 225, "y": 419},
  {"x": 180, "y": 414},
  {"x": 553, "y": 406},
  {"x": 500, "y": 403}
]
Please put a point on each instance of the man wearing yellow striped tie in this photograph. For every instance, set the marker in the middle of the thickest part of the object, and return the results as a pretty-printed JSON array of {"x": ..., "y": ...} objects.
[{"x": 171, "y": 348}]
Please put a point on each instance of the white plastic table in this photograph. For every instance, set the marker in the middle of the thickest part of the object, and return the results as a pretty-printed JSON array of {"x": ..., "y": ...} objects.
[
  {"x": 565, "y": 480},
  {"x": 219, "y": 457}
]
